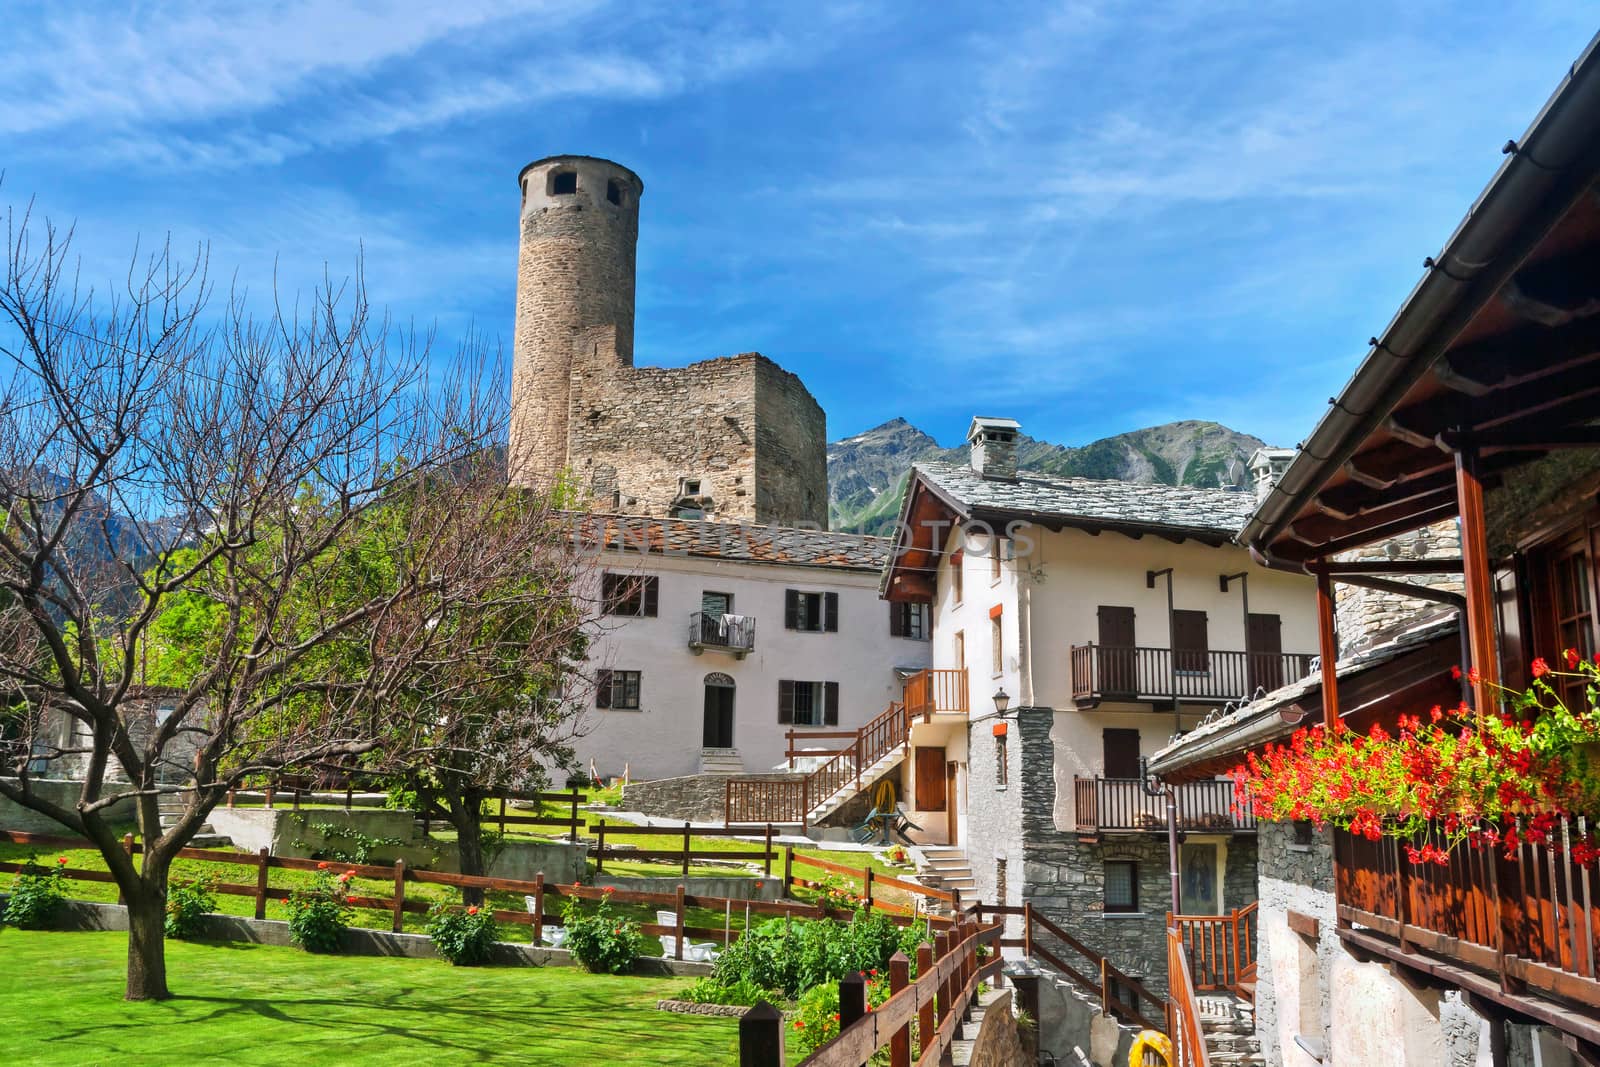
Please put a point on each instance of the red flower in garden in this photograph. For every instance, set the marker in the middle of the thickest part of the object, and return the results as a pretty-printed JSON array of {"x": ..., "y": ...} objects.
[
  {"x": 1540, "y": 668},
  {"x": 472, "y": 910},
  {"x": 61, "y": 861},
  {"x": 799, "y": 1024},
  {"x": 1455, "y": 672},
  {"x": 1573, "y": 659},
  {"x": 322, "y": 866},
  {"x": 1473, "y": 676},
  {"x": 608, "y": 890}
]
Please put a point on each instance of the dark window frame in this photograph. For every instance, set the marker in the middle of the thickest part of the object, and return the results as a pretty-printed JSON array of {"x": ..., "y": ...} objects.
[
  {"x": 563, "y": 183},
  {"x": 636, "y": 596},
  {"x": 909, "y": 620},
  {"x": 810, "y": 612},
  {"x": 616, "y": 690},
  {"x": 1131, "y": 906},
  {"x": 821, "y": 699}
]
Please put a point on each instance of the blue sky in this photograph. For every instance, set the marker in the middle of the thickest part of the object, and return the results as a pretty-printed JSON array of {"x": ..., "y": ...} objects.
[{"x": 1092, "y": 217}]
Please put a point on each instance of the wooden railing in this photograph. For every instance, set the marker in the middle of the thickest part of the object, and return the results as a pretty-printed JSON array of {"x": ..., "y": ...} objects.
[
  {"x": 684, "y": 854},
  {"x": 1221, "y": 950},
  {"x": 571, "y": 818},
  {"x": 1122, "y": 805},
  {"x": 938, "y": 1002},
  {"x": 1530, "y": 918},
  {"x": 1120, "y": 994},
  {"x": 793, "y": 800},
  {"x": 1183, "y": 1007},
  {"x": 930, "y": 691},
  {"x": 732, "y": 633},
  {"x": 1109, "y": 672}
]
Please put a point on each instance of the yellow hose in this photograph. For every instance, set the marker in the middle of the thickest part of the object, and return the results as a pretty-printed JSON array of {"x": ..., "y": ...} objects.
[
  {"x": 1154, "y": 1041},
  {"x": 883, "y": 799}
]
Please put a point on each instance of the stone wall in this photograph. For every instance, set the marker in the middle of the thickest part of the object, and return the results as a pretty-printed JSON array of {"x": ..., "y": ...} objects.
[
  {"x": 994, "y": 811},
  {"x": 1365, "y": 615},
  {"x": 694, "y": 797},
  {"x": 62, "y": 793}
]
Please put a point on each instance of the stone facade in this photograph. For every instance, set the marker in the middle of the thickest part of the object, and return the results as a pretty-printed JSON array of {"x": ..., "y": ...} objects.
[
  {"x": 736, "y": 438},
  {"x": 695, "y": 797},
  {"x": 1365, "y": 615}
]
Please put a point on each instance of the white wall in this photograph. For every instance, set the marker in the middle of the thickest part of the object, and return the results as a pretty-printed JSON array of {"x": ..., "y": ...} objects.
[{"x": 663, "y": 738}]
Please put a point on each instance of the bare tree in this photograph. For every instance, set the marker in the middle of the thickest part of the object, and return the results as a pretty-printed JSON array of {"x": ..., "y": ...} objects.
[{"x": 155, "y": 453}]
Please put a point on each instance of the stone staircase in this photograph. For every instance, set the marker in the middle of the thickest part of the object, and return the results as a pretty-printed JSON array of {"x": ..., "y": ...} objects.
[
  {"x": 172, "y": 808},
  {"x": 1229, "y": 1026},
  {"x": 721, "y": 761},
  {"x": 946, "y": 867},
  {"x": 869, "y": 777}
]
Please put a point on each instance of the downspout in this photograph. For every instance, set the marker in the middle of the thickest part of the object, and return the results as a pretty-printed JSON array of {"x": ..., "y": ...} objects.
[{"x": 1165, "y": 789}]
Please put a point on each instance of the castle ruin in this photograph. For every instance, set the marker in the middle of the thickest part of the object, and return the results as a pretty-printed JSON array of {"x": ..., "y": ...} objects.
[{"x": 736, "y": 438}]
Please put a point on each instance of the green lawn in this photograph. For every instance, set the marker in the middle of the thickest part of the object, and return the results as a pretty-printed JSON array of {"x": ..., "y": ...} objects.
[{"x": 60, "y": 1003}]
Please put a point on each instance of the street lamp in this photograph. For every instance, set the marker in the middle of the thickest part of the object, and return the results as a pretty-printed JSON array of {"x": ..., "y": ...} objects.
[{"x": 1002, "y": 700}]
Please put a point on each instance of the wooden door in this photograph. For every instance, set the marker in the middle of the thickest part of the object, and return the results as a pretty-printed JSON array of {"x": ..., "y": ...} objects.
[
  {"x": 1190, "y": 648},
  {"x": 1263, "y": 644},
  {"x": 718, "y": 717},
  {"x": 1118, "y": 661},
  {"x": 930, "y": 772},
  {"x": 1121, "y": 753},
  {"x": 952, "y": 806}
]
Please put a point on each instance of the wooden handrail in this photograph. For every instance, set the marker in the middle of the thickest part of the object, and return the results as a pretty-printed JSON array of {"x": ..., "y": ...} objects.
[
  {"x": 1109, "y": 974},
  {"x": 1220, "y": 949},
  {"x": 1183, "y": 1007},
  {"x": 1121, "y": 805},
  {"x": 1154, "y": 672}
]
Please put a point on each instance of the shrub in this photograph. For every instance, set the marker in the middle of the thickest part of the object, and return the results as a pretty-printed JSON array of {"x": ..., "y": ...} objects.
[
  {"x": 464, "y": 937},
  {"x": 320, "y": 912},
  {"x": 602, "y": 941},
  {"x": 742, "y": 991},
  {"x": 816, "y": 1017},
  {"x": 188, "y": 903},
  {"x": 794, "y": 957},
  {"x": 38, "y": 895}
]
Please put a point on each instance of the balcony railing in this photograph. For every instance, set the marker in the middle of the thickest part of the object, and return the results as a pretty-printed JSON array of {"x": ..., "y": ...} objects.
[
  {"x": 1109, "y": 672},
  {"x": 1527, "y": 921},
  {"x": 1120, "y": 805},
  {"x": 724, "y": 633},
  {"x": 929, "y": 691}
]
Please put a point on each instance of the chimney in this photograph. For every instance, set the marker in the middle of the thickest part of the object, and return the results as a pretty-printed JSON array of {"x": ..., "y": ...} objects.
[
  {"x": 1266, "y": 467},
  {"x": 993, "y": 447}
]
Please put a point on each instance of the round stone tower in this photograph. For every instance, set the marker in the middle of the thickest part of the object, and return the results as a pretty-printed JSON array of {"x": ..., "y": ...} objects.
[{"x": 575, "y": 282}]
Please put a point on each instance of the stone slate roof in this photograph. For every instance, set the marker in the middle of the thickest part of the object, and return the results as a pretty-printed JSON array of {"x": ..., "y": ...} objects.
[
  {"x": 1193, "y": 744},
  {"x": 735, "y": 541},
  {"x": 1137, "y": 503}
]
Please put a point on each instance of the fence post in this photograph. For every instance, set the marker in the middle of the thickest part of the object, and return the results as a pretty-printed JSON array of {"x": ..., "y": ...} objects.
[
  {"x": 805, "y": 805},
  {"x": 788, "y": 868},
  {"x": 261, "y": 884},
  {"x": 349, "y": 794},
  {"x": 1027, "y": 931},
  {"x": 727, "y": 803},
  {"x": 852, "y": 999},
  {"x": 295, "y": 792},
  {"x": 866, "y": 886},
  {"x": 502, "y": 816},
  {"x": 271, "y": 792},
  {"x": 230, "y": 796},
  {"x": 761, "y": 1036},
  {"x": 399, "y": 895},
  {"x": 900, "y": 1043},
  {"x": 925, "y": 1023},
  {"x": 1105, "y": 989},
  {"x": 572, "y": 833},
  {"x": 686, "y": 850},
  {"x": 941, "y": 946},
  {"x": 678, "y": 953},
  {"x": 538, "y": 909},
  {"x": 1233, "y": 925},
  {"x": 600, "y": 847},
  {"x": 768, "y": 857}
]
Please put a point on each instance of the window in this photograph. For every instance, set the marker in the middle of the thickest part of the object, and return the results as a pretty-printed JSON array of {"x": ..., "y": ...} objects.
[
  {"x": 1574, "y": 617},
  {"x": 563, "y": 183},
  {"x": 909, "y": 620},
  {"x": 614, "y": 191},
  {"x": 955, "y": 576},
  {"x": 1002, "y": 757},
  {"x": 1000, "y": 886},
  {"x": 1122, "y": 886},
  {"x": 617, "y": 690},
  {"x": 1189, "y": 642},
  {"x": 815, "y": 612},
  {"x": 994, "y": 559},
  {"x": 629, "y": 594},
  {"x": 808, "y": 703},
  {"x": 1121, "y": 753},
  {"x": 995, "y": 639}
]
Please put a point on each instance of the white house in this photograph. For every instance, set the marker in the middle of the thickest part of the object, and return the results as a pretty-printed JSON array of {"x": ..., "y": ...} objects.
[
  {"x": 1077, "y": 626},
  {"x": 718, "y": 639}
]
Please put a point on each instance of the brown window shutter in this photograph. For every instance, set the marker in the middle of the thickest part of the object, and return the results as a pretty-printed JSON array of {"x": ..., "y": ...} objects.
[
  {"x": 830, "y": 705},
  {"x": 1189, "y": 640},
  {"x": 830, "y": 612},
  {"x": 791, "y": 609},
  {"x": 602, "y": 688},
  {"x": 786, "y": 702},
  {"x": 897, "y": 620},
  {"x": 652, "y": 591},
  {"x": 1121, "y": 753}
]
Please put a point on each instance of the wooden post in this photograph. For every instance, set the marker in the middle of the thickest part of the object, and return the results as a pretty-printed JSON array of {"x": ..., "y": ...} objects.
[
  {"x": 349, "y": 794},
  {"x": 761, "y": 1036},
  {"x": 399, "y": 895},
  {"x": 767, "y": 858},
  {"x": 941, "y": 948},
  {"x": 538, "y": 909},
  {"x": 679, "y": 946},
  {"x": 925, "y": 1023},
  {"x": 502, "y": 816},
  {"x": 1105, "y": 989},
  {"x": 1475, "y": 573},
  {"x": 1233, "y": 925},
  {"x": 127, "y": 846},
  {"x": 788, "y": 868},
  {"x": 230, "y": 796},
  {"x": 600, "y": 847},
  {"x": 727, "y": 803},
  {"x": 900, "y": 1043},
  {"x": 261, "y": 884},
  {"x": 685, "y": 850},
  {"x": 295, "y": 792},
  {"x": 572, "y": 833},
  {"x": 852, "y": 1000},
  {"x": 866, "y": 886},
  {"x": 805, "y": 806},
  {"x": 270, "y": 793},
  {"x": 1027, "y": 931},
  {"x": 1328, "y": 649}
]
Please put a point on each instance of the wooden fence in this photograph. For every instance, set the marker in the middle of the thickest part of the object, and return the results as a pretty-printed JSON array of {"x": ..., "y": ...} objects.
[
  {"x": 277, "y": 793},
  {"x": 937, "y": 1003},
  {"x": 684, "y": 854},
  {"x": 1221, "y": 949},
  {"x": 1183, "y": 1007},
  {"x": 1120, "y": 994}
]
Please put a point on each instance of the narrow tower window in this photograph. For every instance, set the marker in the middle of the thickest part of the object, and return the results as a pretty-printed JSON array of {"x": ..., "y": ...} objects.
[
  {"x": 564, "y": 183},
  {"x": 614, "y": 191}
]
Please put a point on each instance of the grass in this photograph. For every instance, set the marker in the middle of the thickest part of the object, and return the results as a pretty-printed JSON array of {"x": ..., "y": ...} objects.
[{"x": 256, "y": 1004}]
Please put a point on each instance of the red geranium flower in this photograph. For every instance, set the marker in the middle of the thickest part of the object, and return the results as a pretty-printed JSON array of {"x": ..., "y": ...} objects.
[
  {"x": 1455, "y": 672},
  {"x": 472, "y": 910},
  {"x": 61, "y": 861},
  {"x": 322, "y": 866},
  {"x": 1573, "y": 659},
  {"x": 1540, "y": 668},
  {"x": 799, "y": 1024}
]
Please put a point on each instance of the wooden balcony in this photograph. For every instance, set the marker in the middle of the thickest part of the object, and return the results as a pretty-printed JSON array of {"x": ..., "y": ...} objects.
[
  {"x": 1519, "y": 930},
  {"x": 1121, "y": 806},
  {"x": 724, "y": 633},
  {"x": 932, "y": 691},
  {"x": 1107, "y": 672}
]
